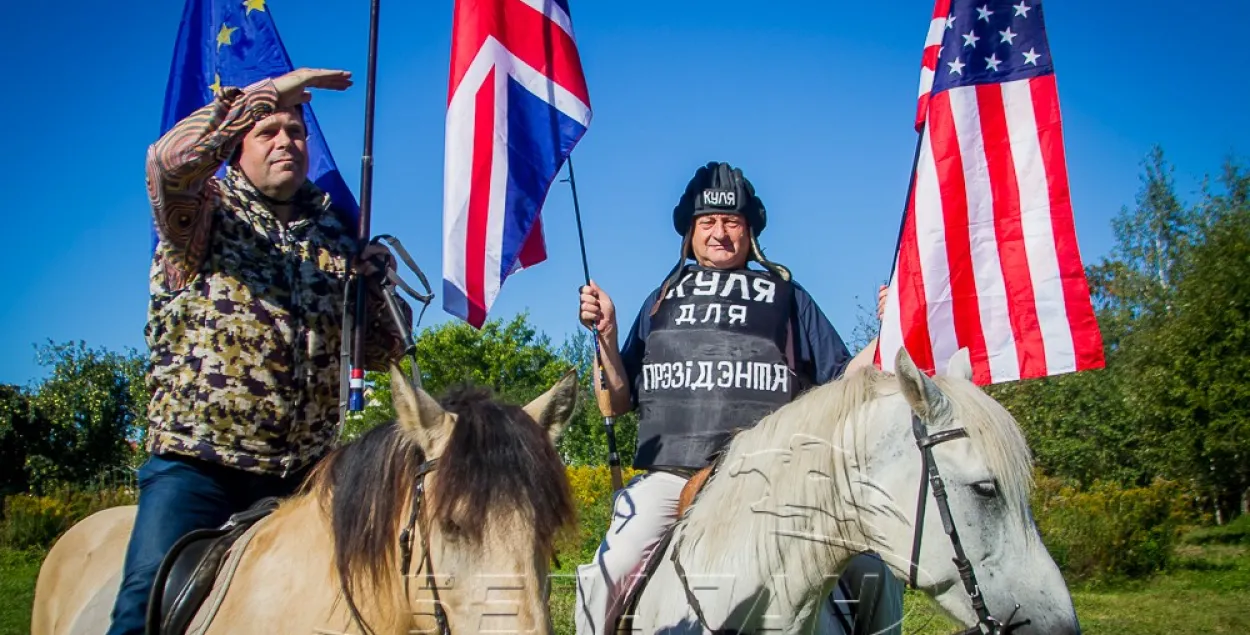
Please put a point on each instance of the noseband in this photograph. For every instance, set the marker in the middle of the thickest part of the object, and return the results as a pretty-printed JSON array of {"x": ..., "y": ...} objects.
[
  {"x": 987, "y": 624},
  {"x": 405, "y": 547}
]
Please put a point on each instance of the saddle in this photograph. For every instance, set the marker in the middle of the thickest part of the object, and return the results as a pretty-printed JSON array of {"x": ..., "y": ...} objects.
[
  {"x": 692, "y": 488},
  {"x": 190, "y": 568}
]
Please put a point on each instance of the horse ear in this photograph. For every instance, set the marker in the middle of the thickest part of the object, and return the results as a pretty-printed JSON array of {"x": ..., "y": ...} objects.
[
  {"x": 920, "y": 391},
  {"x": 960, "y": 365},
  {"x": 553, "y": 408},
  {"x": 418, "y": 412}
]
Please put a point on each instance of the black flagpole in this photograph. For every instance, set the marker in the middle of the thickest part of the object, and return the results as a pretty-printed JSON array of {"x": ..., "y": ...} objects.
[
  {"x": 902, "y": 224},
  {"x": 356, "y": 398},
  {"x": 614, "y": 458},
  {"x": 911, "y": 188}
]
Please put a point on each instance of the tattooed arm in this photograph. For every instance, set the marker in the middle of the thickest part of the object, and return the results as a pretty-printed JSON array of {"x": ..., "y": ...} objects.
[{"x": 180, "y": 164}]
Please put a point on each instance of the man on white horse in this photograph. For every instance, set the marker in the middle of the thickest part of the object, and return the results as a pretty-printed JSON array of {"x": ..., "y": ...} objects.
[
  {"x": 717, "y": 346},
  {"x": 244, "y": 324}
]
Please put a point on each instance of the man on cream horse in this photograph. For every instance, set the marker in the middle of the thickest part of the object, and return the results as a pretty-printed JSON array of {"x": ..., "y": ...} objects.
[
  {"x": 932, "y": 474},
  {"x": 245, "y": 316}
]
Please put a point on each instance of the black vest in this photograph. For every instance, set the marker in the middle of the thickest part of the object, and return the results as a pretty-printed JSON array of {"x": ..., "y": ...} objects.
[{"x": 716, "y": 359}]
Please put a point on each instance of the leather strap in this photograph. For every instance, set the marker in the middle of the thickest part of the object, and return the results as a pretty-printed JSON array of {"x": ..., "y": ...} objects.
[
  {"x": 987, "y": 624},
  {"x": 406, "y": 539}
]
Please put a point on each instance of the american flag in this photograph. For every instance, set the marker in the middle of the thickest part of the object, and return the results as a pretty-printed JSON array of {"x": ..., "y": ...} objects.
[
  {"x": 988, "y": 257},
  {"x": 517, "y": 105}
]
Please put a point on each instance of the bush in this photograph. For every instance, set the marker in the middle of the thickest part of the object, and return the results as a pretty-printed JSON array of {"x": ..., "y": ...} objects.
[
  {"x": 592, "y": 492},
  {"x": 1236, "y": 532},
  {"x": 1108, "y": 531},
  {"x": 35, "y": 522}
]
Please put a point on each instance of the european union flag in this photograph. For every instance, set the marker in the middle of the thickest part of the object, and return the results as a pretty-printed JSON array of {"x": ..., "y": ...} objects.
[{"x": 235, "y": 43}]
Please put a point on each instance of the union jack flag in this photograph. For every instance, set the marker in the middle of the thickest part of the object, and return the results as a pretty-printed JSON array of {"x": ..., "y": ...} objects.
[
  {"x": 517, "y": 105},
  {"x": 988, "y": 257}
]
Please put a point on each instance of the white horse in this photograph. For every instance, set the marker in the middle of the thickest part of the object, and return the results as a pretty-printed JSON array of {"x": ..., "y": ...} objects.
[{"x": 838, "y": 472}]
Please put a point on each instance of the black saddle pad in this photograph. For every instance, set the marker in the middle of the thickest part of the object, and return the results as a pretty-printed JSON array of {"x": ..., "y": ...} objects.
[{"x": 190, "y": 568}]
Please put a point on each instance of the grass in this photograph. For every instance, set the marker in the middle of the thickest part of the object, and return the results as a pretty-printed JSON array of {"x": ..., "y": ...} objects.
[
  {"x": 18, "y": 571},
  {"x": 1235, "y": 532},
  {"x": 1207, "y": 592}
]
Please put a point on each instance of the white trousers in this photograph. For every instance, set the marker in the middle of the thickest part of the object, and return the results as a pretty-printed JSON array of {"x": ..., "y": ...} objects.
[{"x": 868, "y": 599}]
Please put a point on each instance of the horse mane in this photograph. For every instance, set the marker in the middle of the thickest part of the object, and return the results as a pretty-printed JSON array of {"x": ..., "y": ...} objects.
[
  {"x": 990, "y": 426},
  {"x": 809, "y": 430},
  {"x": 497, "y": 457}
]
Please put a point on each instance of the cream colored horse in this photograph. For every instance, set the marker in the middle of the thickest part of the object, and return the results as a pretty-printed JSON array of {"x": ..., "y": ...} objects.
[{"x": 491, "y": 509}]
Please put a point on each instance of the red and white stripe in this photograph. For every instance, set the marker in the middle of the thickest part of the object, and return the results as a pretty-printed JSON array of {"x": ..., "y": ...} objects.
[
  {"x": 988, "y": 259},
  {"x": 928, "y": 61}
]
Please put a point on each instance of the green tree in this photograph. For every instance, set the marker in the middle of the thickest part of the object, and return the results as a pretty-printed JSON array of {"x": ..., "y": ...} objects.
[
  {"x": 92, "y": 413},
  {"x": 1153, "y": 238},
  {"x": 585, "y": 440},
  {"x": 511, "y": 358},
  {"x": 1076, "y": 428},
  {"x": 19, "y": 432},
  {"x": 1191, "y": 367},
  {"x": 518, "y": 363},
  {"x": 1173, "y": 302}
]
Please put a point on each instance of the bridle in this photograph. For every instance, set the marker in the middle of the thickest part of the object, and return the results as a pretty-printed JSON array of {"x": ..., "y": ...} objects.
[
  {"x": 406, "y": 540},
  {"x": 987, "y": 624}
]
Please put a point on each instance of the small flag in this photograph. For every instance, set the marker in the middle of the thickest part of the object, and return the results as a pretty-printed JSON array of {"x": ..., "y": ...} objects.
[
  {"x": 235, "y": 43},
  {"x": 988, "y": 258},
  {"x": 517, "y": 105}
]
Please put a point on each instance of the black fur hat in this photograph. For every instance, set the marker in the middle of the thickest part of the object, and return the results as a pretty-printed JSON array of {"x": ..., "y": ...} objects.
[{"x": 719, "y": 188}]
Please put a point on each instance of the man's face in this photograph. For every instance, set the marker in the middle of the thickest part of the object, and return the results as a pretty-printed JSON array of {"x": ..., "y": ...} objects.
[
  {"x": 721, "y": 241},
  {"x": 274, "y": 156}
]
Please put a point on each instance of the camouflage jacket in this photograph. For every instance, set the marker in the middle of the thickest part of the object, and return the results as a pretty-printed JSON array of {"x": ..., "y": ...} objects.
[{"x": 245, "y": 315}]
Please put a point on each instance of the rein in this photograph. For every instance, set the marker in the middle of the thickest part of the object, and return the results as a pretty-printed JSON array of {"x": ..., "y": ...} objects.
[
  {"x": 406, "y": 540},
  {"x": 987, "y": 624}
]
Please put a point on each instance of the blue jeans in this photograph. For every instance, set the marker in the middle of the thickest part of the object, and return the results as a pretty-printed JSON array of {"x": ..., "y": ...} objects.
[{"x": 176, "y": 496}]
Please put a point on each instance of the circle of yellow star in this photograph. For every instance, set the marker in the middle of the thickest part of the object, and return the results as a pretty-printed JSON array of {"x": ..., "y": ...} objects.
[
  {"x": 223, "y": 36},
  {"x": 254, "y": 5},
  {"x": 216, "y": 85}
]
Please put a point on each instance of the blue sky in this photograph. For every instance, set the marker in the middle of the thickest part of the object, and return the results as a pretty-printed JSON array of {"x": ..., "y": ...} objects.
[{"x": 813, "y": 100}]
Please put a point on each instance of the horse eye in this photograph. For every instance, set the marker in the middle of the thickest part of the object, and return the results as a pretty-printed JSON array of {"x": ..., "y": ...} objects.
[
  {"x": 451, "y": 529},
  {"x": 986, "y": 489}
]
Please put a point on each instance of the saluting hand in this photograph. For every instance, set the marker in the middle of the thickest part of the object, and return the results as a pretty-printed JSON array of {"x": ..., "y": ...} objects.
[
  {"x": 292, "y": 87},
  {"x": 597, "y": 309}
]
